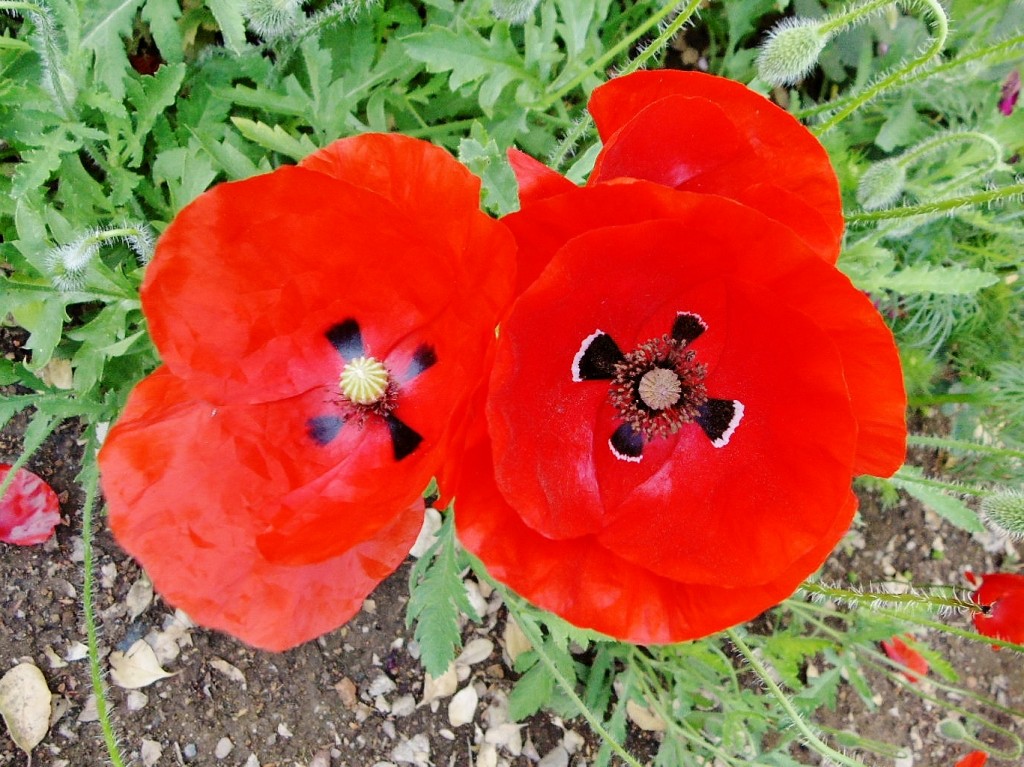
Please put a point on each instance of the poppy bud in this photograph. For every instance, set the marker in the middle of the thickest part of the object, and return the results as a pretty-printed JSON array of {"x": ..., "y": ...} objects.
[
  {"x": 881, "y": 184},
  {"x": 791, "y": 51},
  {"x": 271, "y": 19},
  {"x": 514, "y": 11},
  {"x": 1004, "y": 512}
]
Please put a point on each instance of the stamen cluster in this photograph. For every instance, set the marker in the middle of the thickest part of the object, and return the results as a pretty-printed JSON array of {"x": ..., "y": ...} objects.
[{"x": 641, "y": 404}]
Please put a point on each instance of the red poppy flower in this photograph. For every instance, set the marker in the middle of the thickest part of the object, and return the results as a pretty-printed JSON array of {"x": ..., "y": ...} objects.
[
  {"x": 1002, "y": 596},
  {"x": 905, "y": 655},
  {"x": 700, "y": 133},
  {"x": 974, "y": 759},
  {"x": 322, "y": 328},
  {"x": 29, "y": 510},
  {"x": 677, "y": 406}
]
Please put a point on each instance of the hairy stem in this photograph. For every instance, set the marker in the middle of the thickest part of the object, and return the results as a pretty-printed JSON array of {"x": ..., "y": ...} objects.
[
  {"x": 939, "y": 206},
  {"x": 939, "y": 35},
  {"x": 963, "y": 445},
  {"x": 531, "y": 633},
  {"x": 874, "y": 598},
  {"x": 90, "y": 481},
  {"x": 810, "y": 736}
]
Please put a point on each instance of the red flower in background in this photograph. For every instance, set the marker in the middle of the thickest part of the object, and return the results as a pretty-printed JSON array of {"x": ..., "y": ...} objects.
[
  {"x": 29, "y": 509},
  {"x": 904, "y": 654},
  {"x": 700, "y": 133},
  {"x": 677, "y": 406},
  {"x": 1002, "y": 596},
  {"x": 974, "y": 759},
  {"x": 322, "y": 329}
]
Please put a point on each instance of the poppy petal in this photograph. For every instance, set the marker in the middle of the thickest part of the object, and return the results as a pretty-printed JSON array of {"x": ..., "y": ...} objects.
[
  {"x": 29, "y": 509},
  {"x": 536, "y": 180},
  {"x": 773, "y": 148},
  {"x": 774, "y": 257},
  {"x": 591, "y": 587},
  {"x": 1003, "y": 594},
  {"x": 200, "y": 547}
]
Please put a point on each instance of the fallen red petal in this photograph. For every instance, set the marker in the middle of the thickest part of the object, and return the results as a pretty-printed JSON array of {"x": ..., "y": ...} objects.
[{"x": 29, "y": 510}]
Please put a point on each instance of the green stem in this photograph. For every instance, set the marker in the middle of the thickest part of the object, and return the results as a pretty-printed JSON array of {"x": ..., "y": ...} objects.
[
  {"x": 937, "y": 142},
  {"x": 530, "y": 632},
  {"x": 621, "y": 47},
  {"x": 939, "y": 35},
  {"x": 853, "y": 14},
  {"x": 873, "y": 599},
  {"x": 810, "y": 736},
  {"x": 90, "y": 481},
  {"x": 957, "y": 398},
  {"x": 939, "y": 206},
  {"x": 956, "y": 444},
  {"x": 948, "y": 487},
  {"x": 1007, "y": 47}
]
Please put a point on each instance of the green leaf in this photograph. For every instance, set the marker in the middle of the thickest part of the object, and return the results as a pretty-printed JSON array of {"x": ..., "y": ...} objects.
[
  {"x": 489, "y": 63},
  {"x": 150, "y": 96},
  {"x": 532, "y": 692},
  {"x": 946, "y": 506},
  {"x": 109, "y": 22},
  {"x": 789, "y": 653},
  {"x": 162, "y": 17},
  {"x": 943, "y": 280},
  {"x": 903, "y": 127},
  {"x": 228, "y": 14},
  {"x": 275, "y": 138},
  {"x": 436, "y": 597}
]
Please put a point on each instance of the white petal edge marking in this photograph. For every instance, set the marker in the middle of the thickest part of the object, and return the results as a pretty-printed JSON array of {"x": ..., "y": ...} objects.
[
  {"x": 737, "y": 416},
  {"x": 583, "y": 350},
  {"x": 621, "y": 457}
]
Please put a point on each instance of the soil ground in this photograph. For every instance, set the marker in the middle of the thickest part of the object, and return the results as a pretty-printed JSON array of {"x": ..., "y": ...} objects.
[{"x": 353, "y": 698}]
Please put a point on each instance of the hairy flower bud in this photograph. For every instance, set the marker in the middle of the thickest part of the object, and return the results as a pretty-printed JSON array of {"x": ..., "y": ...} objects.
[
  {"x": 881, "y": 185},
  {"x": 791, "y": 51},
  {"x": 514, "y": 11},
  {"x": 271, "y": 19},
  {"x": 1004, "y": 512}
]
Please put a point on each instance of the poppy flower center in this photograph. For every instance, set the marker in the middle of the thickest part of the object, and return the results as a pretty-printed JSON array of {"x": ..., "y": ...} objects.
[
  {"x": 364, "y": 380},
  {"x": 658, "y": 387}
]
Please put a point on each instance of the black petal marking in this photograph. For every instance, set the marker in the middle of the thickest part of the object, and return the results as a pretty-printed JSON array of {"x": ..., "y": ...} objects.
[
  {"x": 423, "y": 358},
  {"x": 719, "y": 419},
  {"x": 596, "y": 358},
  {"x": 626, "y": 444},
  {"x": 323, "y": 429},
  {"x": 403, "y": 438},
  {"x": 688, "y": 327},
  {"x": 346, "y": 338}
]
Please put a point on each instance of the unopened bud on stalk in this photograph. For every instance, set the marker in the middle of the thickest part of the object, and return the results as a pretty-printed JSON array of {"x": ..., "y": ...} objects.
[
  {"x": 881, "y": 185},
  {"x": 271, "y": 19},
  {"x": 791, "y": 51},
  {"x": 1004, "y": 512},
  {"x": 514, "y": 11},
  {"x": 68, "y": 263}
]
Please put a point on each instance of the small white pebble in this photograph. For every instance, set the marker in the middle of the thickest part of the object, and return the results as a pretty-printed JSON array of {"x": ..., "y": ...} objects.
[
  {"x": 252, "y": 761},
  {"x": 224, "y": 746},
  {"x": 283, "y": 731}
]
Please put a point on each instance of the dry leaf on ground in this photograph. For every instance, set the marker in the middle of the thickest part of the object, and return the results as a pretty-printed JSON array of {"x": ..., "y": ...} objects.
[
  {"x": 25, "y": 705},
  {"x": 136, "y": 668}
]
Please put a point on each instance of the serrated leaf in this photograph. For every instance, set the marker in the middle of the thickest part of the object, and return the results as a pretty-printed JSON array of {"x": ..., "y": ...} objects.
[
  {"x": 946, "y": 506},
  {"x": 492, "y": 62},
  {"x": 228, "y": 14},
  {"x": 436, "y": 597},
  {"x": 532, "y": 692},
  {"x": 109, "y": 22},
  {"x": 942, "y": 280},
  {"x": 275, "y": 138},
  {"x": 150, "y": 96},
  {"x": 788, "y": 654},
  {"x": 162, "y": 17}
]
